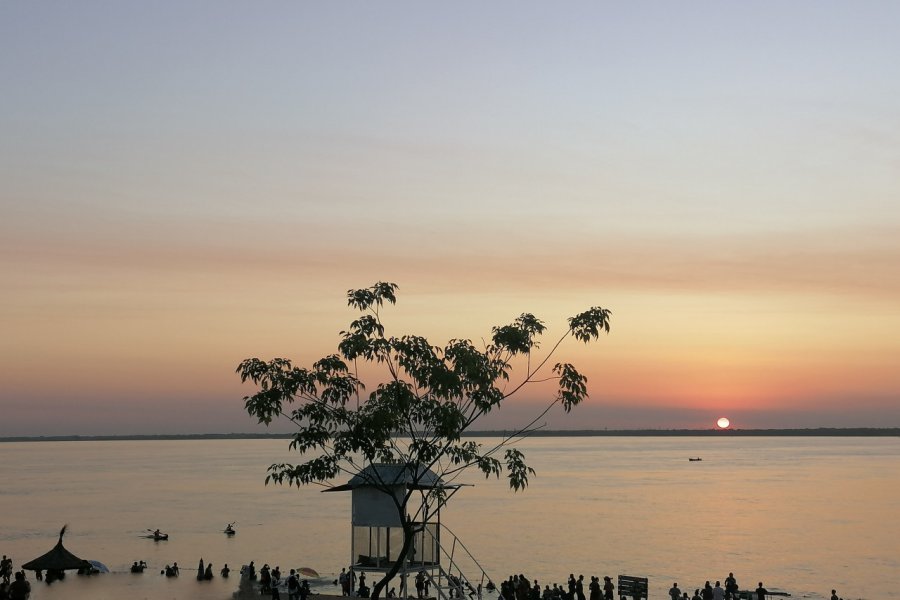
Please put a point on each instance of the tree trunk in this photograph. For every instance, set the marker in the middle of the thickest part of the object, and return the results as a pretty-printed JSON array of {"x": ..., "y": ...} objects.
[{"x": 408, "y": 537}]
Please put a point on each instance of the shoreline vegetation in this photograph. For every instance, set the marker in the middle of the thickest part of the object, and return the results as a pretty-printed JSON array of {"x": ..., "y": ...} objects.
[{"x": 812, "y": 432}]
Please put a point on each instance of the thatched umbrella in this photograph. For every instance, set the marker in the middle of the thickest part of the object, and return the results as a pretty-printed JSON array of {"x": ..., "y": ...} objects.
[{"x": 58, "y": 559}]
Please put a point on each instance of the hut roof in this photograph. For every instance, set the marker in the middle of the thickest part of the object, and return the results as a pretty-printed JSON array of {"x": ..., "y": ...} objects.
[
  {"x": 58, "y": 559},
  {"x": 409, "y": 476}
]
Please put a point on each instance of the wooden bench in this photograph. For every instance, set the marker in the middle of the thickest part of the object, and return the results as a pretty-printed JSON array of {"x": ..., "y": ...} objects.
[{"x": 632, "y": 588}]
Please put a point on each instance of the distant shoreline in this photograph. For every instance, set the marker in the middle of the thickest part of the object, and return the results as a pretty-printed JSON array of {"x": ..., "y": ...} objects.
[{"x": 812, "y": 432}]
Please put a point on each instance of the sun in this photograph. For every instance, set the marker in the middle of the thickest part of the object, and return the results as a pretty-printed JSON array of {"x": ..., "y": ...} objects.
[{"x": 723, "y": 423}]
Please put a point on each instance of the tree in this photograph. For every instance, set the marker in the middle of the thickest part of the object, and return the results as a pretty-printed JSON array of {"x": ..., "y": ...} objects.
[{"x": 416, "y": 417}]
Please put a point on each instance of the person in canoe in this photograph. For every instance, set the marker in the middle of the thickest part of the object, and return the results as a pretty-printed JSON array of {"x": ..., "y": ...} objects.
[{"x": 229, "y": 529}]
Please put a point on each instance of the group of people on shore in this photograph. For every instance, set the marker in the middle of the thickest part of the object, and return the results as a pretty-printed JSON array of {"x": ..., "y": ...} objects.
[
  {"x": 519, "y": 587},
  {"x": 272, "y": 583},
  {"x": 731, "y": 591},
  {"x": 12, "y": 586},
  {"x": 348, "y": 582}
]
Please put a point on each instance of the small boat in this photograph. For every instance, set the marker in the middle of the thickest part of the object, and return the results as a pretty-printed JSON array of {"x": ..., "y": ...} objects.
[
  {"x": 157, "y": 536},
  {"x": 229, "y": 529},
  {"x": 695, "y": 459}
]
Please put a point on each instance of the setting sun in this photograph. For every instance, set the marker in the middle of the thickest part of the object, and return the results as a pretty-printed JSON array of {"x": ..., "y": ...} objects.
[{"x": 723, "y": 423}]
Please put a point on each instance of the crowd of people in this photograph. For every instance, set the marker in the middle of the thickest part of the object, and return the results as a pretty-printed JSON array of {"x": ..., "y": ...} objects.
[
  {"x": 12, "y": 586},
  {"x": 731, "y": 591},
  {"x": 519, "y": 587},
  {"x": 272, "y": 583}
]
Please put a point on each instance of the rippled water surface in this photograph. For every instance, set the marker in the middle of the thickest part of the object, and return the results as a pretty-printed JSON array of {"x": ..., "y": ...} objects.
[{"x": 801, "y": 514}]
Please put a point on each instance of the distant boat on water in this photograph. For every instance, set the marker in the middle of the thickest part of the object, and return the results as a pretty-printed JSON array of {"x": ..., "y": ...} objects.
[{"x": 694, "y": 459}]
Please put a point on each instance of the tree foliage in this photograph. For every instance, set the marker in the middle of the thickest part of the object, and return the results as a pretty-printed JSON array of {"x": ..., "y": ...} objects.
[{"x": 417, "y": 415}]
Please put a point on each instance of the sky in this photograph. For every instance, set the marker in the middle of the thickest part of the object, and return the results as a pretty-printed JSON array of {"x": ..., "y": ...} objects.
[{"x": 185, "y": 185}]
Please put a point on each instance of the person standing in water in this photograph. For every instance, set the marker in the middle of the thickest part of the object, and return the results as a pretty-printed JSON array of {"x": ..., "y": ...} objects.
[
  {"x": 718, "y": 592},
  {"x": 19, "y": 589},
  {"x": 731, "y": 586}
]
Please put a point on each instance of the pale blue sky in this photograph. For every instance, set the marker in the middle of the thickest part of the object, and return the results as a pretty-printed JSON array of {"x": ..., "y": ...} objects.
[{"x": 747, "y": 97}]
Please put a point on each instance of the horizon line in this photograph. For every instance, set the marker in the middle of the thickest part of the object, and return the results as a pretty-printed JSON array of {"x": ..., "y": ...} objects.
[{"x": 787, "y": 432}]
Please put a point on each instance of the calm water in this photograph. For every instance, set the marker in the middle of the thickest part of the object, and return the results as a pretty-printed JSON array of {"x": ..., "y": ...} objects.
[{"x": 801, "y": 514}]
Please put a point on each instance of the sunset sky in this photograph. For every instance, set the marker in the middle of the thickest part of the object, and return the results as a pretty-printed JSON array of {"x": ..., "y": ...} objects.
[{"x": 187, "y": 184}]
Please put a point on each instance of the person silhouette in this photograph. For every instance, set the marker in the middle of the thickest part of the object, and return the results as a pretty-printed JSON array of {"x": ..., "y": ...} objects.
[{"x": 19, "y": 589}]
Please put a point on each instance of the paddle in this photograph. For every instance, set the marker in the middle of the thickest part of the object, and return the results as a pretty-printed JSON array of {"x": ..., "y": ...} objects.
[{"x": 156, "y": 534}]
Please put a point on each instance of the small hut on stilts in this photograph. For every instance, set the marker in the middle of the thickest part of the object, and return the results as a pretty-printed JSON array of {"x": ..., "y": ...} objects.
[{"x": 377, "y": 534}]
